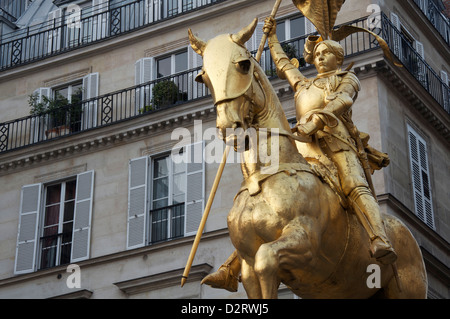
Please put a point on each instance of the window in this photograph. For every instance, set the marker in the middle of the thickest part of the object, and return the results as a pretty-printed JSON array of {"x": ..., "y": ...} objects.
[
  {"x": 168, "y": 197},
  {"x": 420, "y": 177},
  {"x": 174, "y": 63},
  {"x": 165, "y": 195},
  {"x": 54, "y": 223},
  {"x": 291, "y": 28},
  {"x": 57, "y": 224},
  {"x": 288, "y": 28}
]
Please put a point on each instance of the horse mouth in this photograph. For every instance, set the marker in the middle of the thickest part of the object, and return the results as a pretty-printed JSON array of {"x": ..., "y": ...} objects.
[{"x": 238, "y": 139}]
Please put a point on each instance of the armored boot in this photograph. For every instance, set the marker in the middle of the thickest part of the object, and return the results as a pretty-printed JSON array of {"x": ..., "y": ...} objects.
[
  {"x": 227, "y": 275},
  {"x": 367, "y": 210}
]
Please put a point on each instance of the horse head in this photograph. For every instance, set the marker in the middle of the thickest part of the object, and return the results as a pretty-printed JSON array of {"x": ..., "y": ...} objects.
[{"x": 228, "y": 72}]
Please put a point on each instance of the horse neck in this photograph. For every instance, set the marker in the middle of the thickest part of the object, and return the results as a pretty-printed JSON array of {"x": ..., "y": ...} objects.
[{"x": 272, "y": 148}]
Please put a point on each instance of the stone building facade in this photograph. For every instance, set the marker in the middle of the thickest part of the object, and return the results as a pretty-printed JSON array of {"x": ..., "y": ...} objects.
[{"x": 88, "y": 178}]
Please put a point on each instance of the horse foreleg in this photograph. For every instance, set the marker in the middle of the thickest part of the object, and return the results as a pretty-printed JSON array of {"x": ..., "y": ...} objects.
[
  {"x": 291, "y": 250},
  {"x": 266, "y": 268},
  {"x": 250, "y": 281}
]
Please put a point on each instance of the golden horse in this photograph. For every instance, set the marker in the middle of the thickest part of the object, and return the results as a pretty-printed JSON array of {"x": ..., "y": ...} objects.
[{"x": 286, "y": 224}]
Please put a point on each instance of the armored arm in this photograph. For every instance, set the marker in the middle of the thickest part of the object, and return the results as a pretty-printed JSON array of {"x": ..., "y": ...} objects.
[
  {"x": 339, "y": 103},
  {"x": 286, "y": 70}
]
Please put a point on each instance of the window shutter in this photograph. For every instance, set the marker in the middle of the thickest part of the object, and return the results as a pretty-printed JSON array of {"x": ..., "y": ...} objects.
[
  {"x": 27, "y": 238},
  {"x": 396, "y": 35},
  {"x": 195, "y": 89},
  {"x": 90, "y": 91},
  {"x": 420, "y": 64},
  {"x": 445, "y": 91},
  {"x": 39, "y": 124},
  {"x": 149, "y": 12},
  {"x": 143, "y": 74},
  {"x": 82, "y": 217},
  {"x": 420, "y": 178},
  {"x": 195, "y": 187},
  {"x": 100, "y": 19},
  {"x": 419, "y": 48},
  {"x": 309, "y": 27},
  {"x": 54, "y": 33},
  {"x": 137, "y": 202}
]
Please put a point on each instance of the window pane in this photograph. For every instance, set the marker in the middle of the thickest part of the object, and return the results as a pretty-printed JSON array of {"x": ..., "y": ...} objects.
[
  {"x": 179, "y": 184},
  {"x": 281, "y": 31},
  {"x": 160, "y": 203},
  {"x": 181, "y": 62},
  {"x": 160, "y": 188},
  {"x": 53, "y": 194},
  {"x": 51, "y": 215},
  {"x": 62, "y": 92},
  {"x": 163, "y": 67},
  {"x": 48, "y": 254},
  {"x": 297, "y": 27},
  {"x": 70, "y": 190},
  {"x": 159, "y": 224},
  {"x": 69, "y": 208},
  {"x": 177, "y": 221},
  {"x": 161, "y": 167}
]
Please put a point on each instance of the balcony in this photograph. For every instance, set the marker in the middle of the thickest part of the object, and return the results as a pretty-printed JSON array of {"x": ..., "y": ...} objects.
[
  {"x": 70, "y": 31},
  {"x": 181, "y": 88},
  {"x": 436, "y": 17}
]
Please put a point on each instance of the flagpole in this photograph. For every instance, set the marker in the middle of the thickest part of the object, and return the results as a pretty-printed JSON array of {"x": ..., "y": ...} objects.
[{"x": 201, "y": 227}]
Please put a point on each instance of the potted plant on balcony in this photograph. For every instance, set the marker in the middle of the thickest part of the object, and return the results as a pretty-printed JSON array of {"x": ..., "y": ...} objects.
[
  {"x": 164, "y": 93},
  {"x": 57, "y": 114}
]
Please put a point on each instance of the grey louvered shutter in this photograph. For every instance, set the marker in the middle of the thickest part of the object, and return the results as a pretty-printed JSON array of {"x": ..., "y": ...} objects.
[
  {"x": 420, "y": 178},
  {"x": 137, "y": 202},
  {"x": 39, "y": 123},
  {"x": 81, "y": 235},
  {"x": 27, "y": 238},
  {"x": 90, "y": 92},
  {"x": 195, "y": 188}
]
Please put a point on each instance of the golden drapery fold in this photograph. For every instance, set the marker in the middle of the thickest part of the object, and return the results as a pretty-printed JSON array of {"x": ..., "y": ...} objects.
[{"x": 321, "y": 13}]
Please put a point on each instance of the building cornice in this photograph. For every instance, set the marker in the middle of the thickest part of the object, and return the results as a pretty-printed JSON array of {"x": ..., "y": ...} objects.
[{"x": 404, "y": 83}]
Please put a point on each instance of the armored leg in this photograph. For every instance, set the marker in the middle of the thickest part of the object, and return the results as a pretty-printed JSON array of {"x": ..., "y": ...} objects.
[{"x": 367, "y": 210}]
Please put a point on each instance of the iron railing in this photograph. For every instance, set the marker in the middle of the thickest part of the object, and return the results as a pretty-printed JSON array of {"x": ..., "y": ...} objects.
[
  {"x": 167, "y": 223},
  {"x": 102, "y": 111},
  {"x": 404, "y": 50},
  {"x": 436, "y": 17},
  {"x": 354, "y": 44},
  {"x": 66, "y": 31},
  {"x": 181, "y": 88}
]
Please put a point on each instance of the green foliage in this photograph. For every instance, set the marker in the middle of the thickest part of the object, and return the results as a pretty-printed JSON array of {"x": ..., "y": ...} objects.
[{"x": 59, "y": 110}]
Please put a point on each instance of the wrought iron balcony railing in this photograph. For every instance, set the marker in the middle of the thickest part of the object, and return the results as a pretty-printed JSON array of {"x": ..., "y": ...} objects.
[
  {"x": 436, "y": 17},
  {"x": 70, "y": 31},
  {"x": 415, "y": 64},
  {"x": 181, "y": 88}
]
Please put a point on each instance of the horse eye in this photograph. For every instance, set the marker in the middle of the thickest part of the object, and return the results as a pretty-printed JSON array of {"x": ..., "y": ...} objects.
[{"x": 244, "y": 66}]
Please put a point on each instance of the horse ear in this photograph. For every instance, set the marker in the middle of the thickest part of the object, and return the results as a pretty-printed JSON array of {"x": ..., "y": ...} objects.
[
  {"x": 197, "y": 44},
  {"x": 246, "y": 33}
]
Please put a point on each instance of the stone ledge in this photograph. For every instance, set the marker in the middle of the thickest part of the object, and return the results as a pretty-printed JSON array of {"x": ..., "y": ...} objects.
[{"x": 162, "y": 280}]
